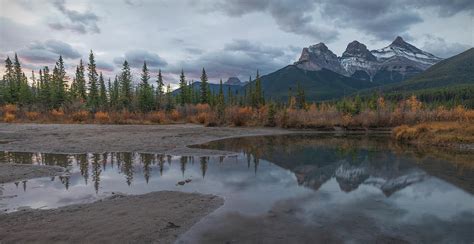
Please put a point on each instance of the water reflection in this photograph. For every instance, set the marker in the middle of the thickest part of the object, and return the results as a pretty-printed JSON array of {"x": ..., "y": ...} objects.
[{"x": 302, "y": 182}]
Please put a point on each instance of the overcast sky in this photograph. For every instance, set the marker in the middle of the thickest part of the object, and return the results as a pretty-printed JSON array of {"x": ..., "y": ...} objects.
[{"x": 227, "y": 37}]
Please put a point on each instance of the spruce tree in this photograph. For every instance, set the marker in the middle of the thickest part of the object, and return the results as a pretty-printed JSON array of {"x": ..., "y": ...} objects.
[
  {"x": 300, "y": 97},
  {"x": 115, "y": 93},
  {"x": 46, "y": 89},
  {"x": 145, "y": 98},
  {"x": 183, "y": 95},
  {"x": 169, "y": 98},
  {"x": 17, "y": 77},
  {"x": 60, "y": 82},
  {"x": 81, "y": 89},
  {"x": 258, "y": 96},
  {"x": 93, "y": 96},
  {"x": 160, "y": 86},
  {"x": 102, "y": 93},
  {"x": 204, "y": 87},
  {"x": 24, "y": 92},
  {"x": 9, "y": 82},
  {"x": 126, "y": 87}
]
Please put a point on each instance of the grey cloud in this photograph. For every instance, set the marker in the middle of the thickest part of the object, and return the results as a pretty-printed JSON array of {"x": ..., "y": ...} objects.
[
  {"x": 48, "y": 52},
  {"x": 104, "y": 66},
  {"x": 446, "y": 8},
  {"x": 193, "y": 50},
  {"x": 136, "y": 58},
  {"x": 439, "y": 47},
  {"x": 14, "y": 35},
  {"x": 40, "y": 56},
  {"x": 289, "y": 16},
  {"x": 77, "y": 22},
  {"x": 238, "y": 58},
  {"x": 384, "y": 20},
  {"x": 133, "y": 2}
]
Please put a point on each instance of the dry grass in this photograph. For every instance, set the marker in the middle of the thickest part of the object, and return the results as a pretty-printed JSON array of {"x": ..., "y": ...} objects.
[
  {"x": 9, "y": 118},
  {"x": 102, "y": 117},
  {"x": 323, "y": 116},
  {"x": 32, "y": 116},
  {"x": 436, "y": 133},
  {"x": 157, "y": 117},
  {"x": 57, "y": 115},
  {"x": 80, "y": 116}
]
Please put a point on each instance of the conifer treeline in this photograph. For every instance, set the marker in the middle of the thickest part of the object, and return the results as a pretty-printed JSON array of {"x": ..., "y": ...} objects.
[{"x": 90, "y": 90}]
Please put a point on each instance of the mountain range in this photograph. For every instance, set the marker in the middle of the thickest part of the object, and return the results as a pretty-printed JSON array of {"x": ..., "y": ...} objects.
[
  {"x": 397, "y": 68},
  {"x": 394, "y": 63}
]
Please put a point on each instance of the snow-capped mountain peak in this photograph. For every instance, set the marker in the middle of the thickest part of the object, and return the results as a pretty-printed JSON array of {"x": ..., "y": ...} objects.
[
  {"x": 396, "y": 62},
  {"x": 401, "y": 48}
]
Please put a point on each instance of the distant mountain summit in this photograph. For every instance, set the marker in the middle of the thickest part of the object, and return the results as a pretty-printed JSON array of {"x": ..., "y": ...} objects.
[
  {"x": 234, "y": 81},
  {"x": 396, "y": 62},
  {"x": 318, "y": 57}
]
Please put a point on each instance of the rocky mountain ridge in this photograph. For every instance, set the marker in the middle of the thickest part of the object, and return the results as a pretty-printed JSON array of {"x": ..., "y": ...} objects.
[{"x": 396, "y": 62}]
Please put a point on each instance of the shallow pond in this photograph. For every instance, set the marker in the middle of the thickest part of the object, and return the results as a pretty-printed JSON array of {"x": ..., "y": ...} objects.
[{"x": 292, "y": 188}]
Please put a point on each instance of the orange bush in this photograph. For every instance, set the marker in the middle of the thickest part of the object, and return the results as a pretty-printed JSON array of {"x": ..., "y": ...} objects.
[
  {"x": 57, "y": 115},
  {"x": 157, "y": 117},
  {"x": 32, "y": 116},
  {"x": 102, "y": 117},
  {"x": 80, "y": 116},
  {"x": 174, "y": 115},
  {"x": 10, "y": 108},
  {"x": 240, "y": 116},
  {"x": 203, "y": 107},
  {"x": 9, "y": 117}
]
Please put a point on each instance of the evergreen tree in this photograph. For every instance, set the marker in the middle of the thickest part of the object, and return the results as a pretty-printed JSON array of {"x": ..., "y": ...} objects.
[
  {"x": 114, "y": 93},
  {"x": 220, "y": 102},
  {"x": 126, "y": 87},
  {"x": 9, "y": 82},
  {"x": 24, "y": 93},
  {"x": 204, "y": 87},
  {"x": 145, "y": 95},
  {"x": 60, "y": 81},
  {"x": 221, "y": 93},
  {"x": 102, "y": 93},
  {"x": 159, "y": 90},
  {"x": 93, "y": 98},
  {"x": 45, "y": 88},
  {"x": 169, "y": 98},
  {"x": 183, "y": 95},
  {"x": 258, "y": 95},
  {"x": 300, "y": 97},
  {"x": 271, "y": 115},
  {"x": 17, "y": 78},
  {"x": 79, "y": 89}
]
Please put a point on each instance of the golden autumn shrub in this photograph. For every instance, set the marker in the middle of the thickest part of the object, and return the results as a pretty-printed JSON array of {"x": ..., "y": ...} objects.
[
  {"x": 158, "y": 117},
  {"x": 239, "y": 116},
  {"x": 174, "y": 115},
  {"x": 57, "y": 114},
  {"x": 80, "y": 116},
  {"x": 32, "y": 116},
  {"x": 10, "y": 108},
  {"x": 102, "y": 117},
  {"x": 9, "y": 117}
]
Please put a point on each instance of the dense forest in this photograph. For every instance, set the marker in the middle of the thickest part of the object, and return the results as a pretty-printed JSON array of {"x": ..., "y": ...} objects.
[{"x": 52, "y": 96}]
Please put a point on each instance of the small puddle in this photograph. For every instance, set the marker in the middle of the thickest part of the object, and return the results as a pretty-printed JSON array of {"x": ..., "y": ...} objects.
[{"x": 310, "y": 185}]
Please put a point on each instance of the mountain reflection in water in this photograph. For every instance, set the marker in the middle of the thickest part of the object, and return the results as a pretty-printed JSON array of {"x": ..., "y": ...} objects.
[{"x": 296, "y": 181}]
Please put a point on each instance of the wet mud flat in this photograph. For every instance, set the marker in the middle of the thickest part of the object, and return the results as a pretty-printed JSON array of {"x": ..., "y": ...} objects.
[{"x": 157, "y": 217}]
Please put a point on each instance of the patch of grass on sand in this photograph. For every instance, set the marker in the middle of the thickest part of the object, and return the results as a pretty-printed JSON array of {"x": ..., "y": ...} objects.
[{"x": 448, "y": 134}]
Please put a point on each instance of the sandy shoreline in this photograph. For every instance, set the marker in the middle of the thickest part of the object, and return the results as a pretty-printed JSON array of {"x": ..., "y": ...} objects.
[
  {"x": 147, "y": 223},
  {"x": 93, "y": 138},
  {"x": 157, "y": 217}
]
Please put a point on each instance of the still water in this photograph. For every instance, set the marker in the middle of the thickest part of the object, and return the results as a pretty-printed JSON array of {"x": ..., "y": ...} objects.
[{"x": 291, "y": 188}]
